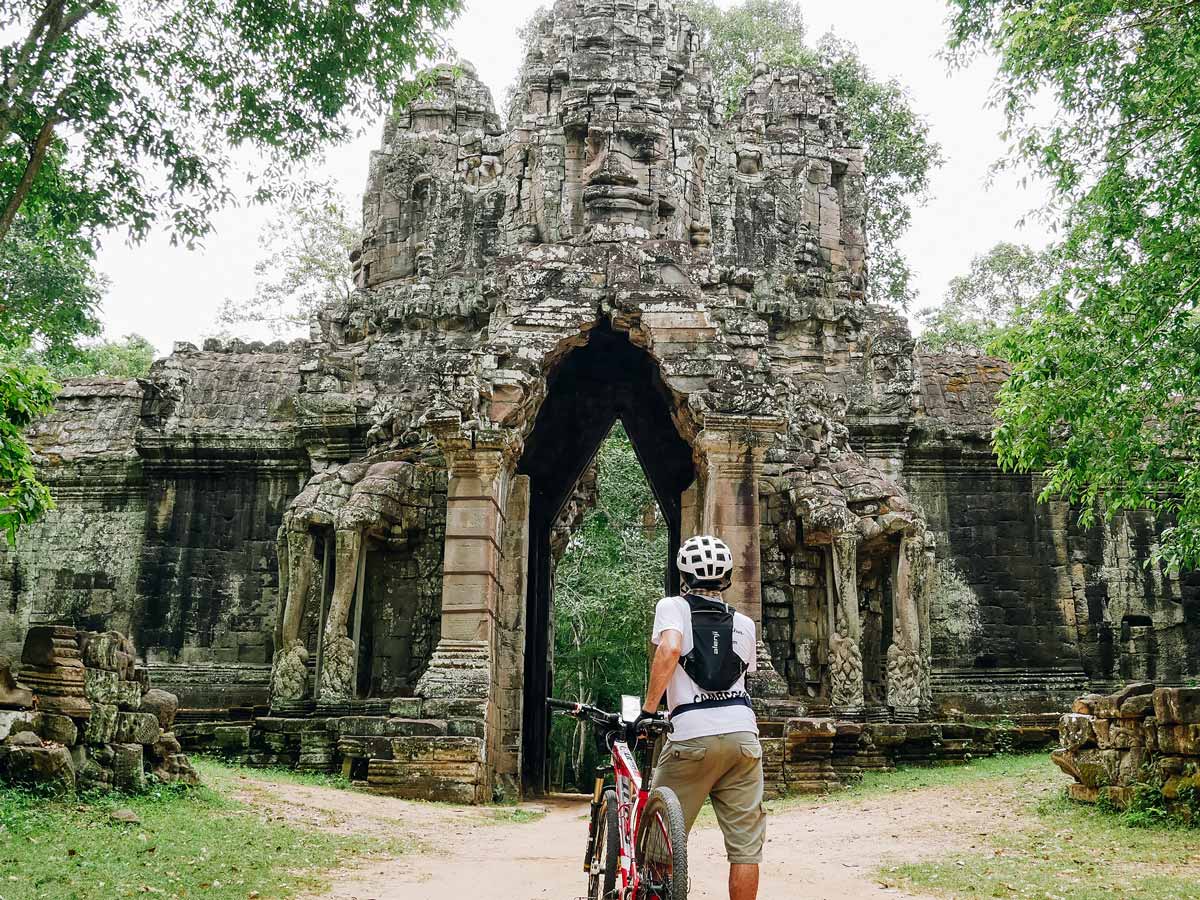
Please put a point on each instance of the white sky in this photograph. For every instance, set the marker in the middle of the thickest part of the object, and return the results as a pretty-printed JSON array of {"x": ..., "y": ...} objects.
[{"x": 169, "y": 293}]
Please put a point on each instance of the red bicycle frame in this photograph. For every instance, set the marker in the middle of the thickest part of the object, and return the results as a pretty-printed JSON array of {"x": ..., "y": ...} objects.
[{"x": 629, "y": 786}]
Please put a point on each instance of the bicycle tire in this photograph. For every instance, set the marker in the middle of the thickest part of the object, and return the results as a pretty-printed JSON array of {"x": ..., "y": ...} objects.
[
  {"x": 602, "y": 867},
  {"x": 662, "y": 848}
]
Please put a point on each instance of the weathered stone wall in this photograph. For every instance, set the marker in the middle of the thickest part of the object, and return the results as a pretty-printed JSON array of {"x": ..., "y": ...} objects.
[
  {"x": 1030, "y": 606},
  {"x": 170, "y": 491}
]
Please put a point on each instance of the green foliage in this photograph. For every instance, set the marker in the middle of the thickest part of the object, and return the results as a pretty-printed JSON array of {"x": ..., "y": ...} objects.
[
  {"x": 981, "y": 306},
  {"x": 194, "y": 842},
  {"x": 1106, "y": 371},
  {"x": 752, "y": 33},
  {"x": 127, "y": 357},
  {"x": 899, "y": 151},
  {"x": 49, "y": 292},
  {"x": 605, "y": 589},
  {"x": 26, "y": 392},
  {"x": 305, "y": 263},
  {"x": 153, "y": 97}
]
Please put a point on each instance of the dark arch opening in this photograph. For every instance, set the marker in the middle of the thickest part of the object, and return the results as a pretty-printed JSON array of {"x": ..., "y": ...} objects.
[{"x": 605, "y": 380}]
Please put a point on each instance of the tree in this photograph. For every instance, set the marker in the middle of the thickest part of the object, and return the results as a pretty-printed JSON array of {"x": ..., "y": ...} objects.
[
  {"x": 605, "y": 589},
  {"x": 128, "y": 357},
  {"x": 26, "y": 393},
  {"x": 994, "y": 296},
  {"x": 152, "y": 97},
  {"x": 900, "y": 155},
  {"x": 49, "y": 291},
  {"x": 305, "y": 264},
  {"x": 1105, "y": 392}
]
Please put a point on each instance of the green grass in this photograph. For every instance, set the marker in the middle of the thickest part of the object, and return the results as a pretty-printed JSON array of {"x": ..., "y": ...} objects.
[
  {"x": 214, "y": 767},
  {"x": 516, "y": 815},
  {"x": 196, "y": 842},
  {"x": 1064, "y": 851}
]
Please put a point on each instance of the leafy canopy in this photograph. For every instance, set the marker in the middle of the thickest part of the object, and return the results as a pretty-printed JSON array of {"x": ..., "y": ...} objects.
[
  {"x": 994, "y": 295},
  {"x": 900, "y": 154},
  {"x": 305, "y": 264},
  {"x": 26, "y": 393},
  {"x": 1105, "y": 392},
  {"x": 153, "y": 97},
  {"x": 605, "y": 589}
]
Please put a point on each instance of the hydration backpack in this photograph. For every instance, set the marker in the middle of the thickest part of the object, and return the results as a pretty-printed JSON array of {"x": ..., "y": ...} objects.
[{"x": 712, "y": 662}]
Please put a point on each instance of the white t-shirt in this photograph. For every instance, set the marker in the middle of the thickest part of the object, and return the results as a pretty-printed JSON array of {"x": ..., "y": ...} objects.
[{"x": 673, "y": 613}]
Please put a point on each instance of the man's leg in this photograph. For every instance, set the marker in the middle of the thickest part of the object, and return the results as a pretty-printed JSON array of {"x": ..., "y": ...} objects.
[
  {"x": 737, "y": 800},
  {"x": 743, "y": 881}
]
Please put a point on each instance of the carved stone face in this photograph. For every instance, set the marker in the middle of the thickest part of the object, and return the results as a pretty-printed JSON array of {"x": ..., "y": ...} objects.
[{"x": 616, "y": 177}]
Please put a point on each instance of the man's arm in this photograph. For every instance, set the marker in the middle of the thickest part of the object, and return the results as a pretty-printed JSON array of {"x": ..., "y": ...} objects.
[{"x": 666, "y": 658}]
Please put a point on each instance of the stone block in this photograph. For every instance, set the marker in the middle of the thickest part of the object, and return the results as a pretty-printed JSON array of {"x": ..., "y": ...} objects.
[
  {"x": 12, "y": 694},
  {"x": 1076, "y": 732},
  {"x": 415, "y": 727},
  {"x": 15, "y": 720},
  {"x": 1138, "y": 707},
  {"x": 1182, "y": 740},
  {"x": 51, "y": 646},
  {"x": 55, "y": 728},
  {"x": 231, "y": 738},
  {"x": 101, "y": 686},
  {"x": 406, "y": 707},
  {"x": 1086, "y": 705},
  {"x": 1118, "y": 734},
  {"x": 102, "y": 725},
  {"x": 136, "y": 728},
  {"x": 108, "y": 650},
  {"x": 1177, "y": 706},
  {"x": 1110, "y": 707},
  {"x": 466, "y": 728},
  {"x": 128, "y": 768},
  {"x": 163, "y": 704},
  {"x": 129, "y": 695},
  {"x": 47, "y": 768}
]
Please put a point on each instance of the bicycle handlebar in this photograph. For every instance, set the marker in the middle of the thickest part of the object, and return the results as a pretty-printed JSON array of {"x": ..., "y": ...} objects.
[{"x": 598, "y": 716}]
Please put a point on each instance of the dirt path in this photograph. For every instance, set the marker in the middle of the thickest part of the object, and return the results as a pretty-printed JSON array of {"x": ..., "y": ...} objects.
[{"x": 828, "y": 850}]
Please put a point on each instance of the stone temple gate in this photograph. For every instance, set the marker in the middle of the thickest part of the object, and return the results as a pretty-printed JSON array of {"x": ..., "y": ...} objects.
[
  {"x": 615, "y": 252},
  {"x": 363, "y": 527}
]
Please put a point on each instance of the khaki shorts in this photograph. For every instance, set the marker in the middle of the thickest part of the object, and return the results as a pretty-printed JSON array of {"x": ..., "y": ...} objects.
[{"x": 727, "y": 768}]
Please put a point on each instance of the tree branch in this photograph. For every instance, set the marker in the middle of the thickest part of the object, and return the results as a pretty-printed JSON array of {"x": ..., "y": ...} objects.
[{"x": 37, "y": 155}]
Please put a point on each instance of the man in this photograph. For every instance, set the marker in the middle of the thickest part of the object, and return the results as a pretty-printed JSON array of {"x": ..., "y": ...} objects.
[{"x": 714, "y": 749}]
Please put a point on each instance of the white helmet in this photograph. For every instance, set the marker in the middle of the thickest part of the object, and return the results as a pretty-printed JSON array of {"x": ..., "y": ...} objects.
[{"x": 705, "y": 558}]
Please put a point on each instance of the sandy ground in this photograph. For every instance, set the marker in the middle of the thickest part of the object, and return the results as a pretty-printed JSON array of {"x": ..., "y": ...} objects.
[{"x": 827, "y": 850}]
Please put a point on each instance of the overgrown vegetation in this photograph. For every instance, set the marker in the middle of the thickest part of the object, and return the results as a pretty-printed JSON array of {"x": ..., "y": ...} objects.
[
  {"x": 1066, "y": 851},
  {"x": 606, "y": 586},
  {"x": 1106, "y": 370},
  {"x": 188, "y": 843},
  {"x": 984, "y": 305},
  {"x": 304, "y": 263},
  {"x": 900, "y": 154}
]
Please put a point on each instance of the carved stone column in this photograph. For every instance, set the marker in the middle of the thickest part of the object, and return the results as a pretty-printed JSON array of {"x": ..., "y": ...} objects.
[
  {"x": 340, "y": 650},
  {"x": 904, "y": 654},
  {"x": 845, "y": 632},
  {"x": 462, "y": 679},
  {"x": 289, "y": 667},
  {"x": 732, "y": 450}
]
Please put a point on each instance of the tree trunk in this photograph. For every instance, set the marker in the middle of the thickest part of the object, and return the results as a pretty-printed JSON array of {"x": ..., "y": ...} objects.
[{"x": 36, "y": 156}]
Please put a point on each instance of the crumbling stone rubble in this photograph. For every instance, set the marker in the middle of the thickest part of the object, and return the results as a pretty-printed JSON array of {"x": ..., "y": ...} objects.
[
  {"x": 87, "y": 719},
  {"x": 1140, "y": 737}
]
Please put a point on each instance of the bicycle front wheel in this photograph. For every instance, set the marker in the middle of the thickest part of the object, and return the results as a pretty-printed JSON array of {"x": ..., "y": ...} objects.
[
  {"x": 606, "y": 847},
  {"x": 662, "y": 848}
]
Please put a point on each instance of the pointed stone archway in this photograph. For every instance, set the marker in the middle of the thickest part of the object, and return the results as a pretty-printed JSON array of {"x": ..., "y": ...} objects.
[{"x": 605, "y": 380}]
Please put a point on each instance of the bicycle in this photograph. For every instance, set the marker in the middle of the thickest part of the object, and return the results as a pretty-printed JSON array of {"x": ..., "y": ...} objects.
[{"x": 633, "y": 831}]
